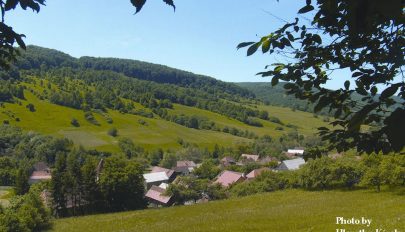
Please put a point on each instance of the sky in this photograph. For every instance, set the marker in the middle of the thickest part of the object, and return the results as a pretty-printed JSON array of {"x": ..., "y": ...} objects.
[{"x": 200, "y": 36}]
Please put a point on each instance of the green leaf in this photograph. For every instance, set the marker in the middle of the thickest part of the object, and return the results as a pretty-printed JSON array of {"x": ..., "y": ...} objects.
[
  {"x": 266, "y": 46},
  {"x": 285, "y": 41},
  {"x": 290, "y": 37},
  {"x": 10, "y": 4},
  {"x": 244, "y": 44},
  {"x": 170, "y": 3},
  {"x": 388, "y": 92},
  {"x": 323, "y": 101},
  {"x": 252, "y": 49},
  {"x": 138, "y": 4},
  {"x": 305, "y": 9},
  {"x": 274, "y": 81},
  {"x": 357, "y": 74},
  {"x": 373, "y": 90},
  {"x": 347, "y": 85},
  {"x": 317, "y": 39},
  {"x": 278, "y": 68},
  {"x": 358, "y": 118}
]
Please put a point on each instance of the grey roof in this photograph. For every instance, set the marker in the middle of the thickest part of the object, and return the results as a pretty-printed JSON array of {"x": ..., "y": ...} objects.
[{"x": 293, "y": 164}]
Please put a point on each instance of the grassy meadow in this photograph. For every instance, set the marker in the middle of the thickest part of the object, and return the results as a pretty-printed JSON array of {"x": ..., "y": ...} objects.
[
  {"x": 289, "y": 210},
  {"x": 6, "y": 193},
  {"x": 156, "y": 133}
]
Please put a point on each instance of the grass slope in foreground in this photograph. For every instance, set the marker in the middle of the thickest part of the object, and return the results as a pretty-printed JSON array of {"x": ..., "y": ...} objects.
[{"x": 290, "y": 210}]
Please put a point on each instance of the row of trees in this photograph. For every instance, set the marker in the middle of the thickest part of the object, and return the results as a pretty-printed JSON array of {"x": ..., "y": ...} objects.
[
  {"x": 347, "y": 172},
  {"x": 80, "y": 187}
]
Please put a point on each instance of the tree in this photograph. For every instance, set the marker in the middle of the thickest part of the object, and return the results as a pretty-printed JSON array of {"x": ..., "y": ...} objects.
[
  {"x": 21, "y": 182},
  {"x": 207, "y": 170},
  {"x": 128, "y": 147},
  {"x": 122, "y": 184},
  {"x": 363, "y": 37},
  {"x": 169, "y": 160},
  {"x": 58, "y": 186}
]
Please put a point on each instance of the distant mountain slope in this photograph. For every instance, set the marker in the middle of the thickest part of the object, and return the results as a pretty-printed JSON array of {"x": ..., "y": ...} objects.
[
  {"x": 36, "y": 57},
  {"x": 275, "y": 95}
]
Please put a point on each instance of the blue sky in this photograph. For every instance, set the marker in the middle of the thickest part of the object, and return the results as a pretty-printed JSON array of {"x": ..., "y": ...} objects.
[{"x": 201, "y": 36}]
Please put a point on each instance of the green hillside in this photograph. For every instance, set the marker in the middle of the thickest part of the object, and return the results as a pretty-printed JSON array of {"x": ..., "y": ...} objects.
[
  {"x": 55, "y": 120},
  {"x": 292, "y": 210},
  {"x": 154, "y": 105}
]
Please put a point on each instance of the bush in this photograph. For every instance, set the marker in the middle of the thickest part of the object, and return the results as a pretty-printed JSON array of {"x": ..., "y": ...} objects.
[
  {"x": 266, "y": 182},
  {"x": 317, "y": 173},
  {"x": 75, "y": 122},
  {"x": 26, "y": 213},
  {"x": 113, "y": 132},
  {"x": 90, "y": 118},
  {"x": 142, "y": 122},
  {"x": 30, "y": 107}
]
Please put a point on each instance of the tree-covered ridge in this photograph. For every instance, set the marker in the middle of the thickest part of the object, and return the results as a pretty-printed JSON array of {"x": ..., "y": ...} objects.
[
  {"x": 98, "y": 83},
  {"x": 37, "y": 57}
]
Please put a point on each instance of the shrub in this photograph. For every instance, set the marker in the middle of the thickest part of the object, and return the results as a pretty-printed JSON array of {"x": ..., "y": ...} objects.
[
  {"x": 30, "y": 107},
  {"x": 113, "y": 132},
  {"x": 74, "y": 122}
]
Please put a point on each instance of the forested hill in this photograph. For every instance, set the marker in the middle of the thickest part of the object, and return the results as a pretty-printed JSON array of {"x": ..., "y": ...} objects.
[
  {"x": 38, "y": 57},
  {"x": 275, "y": 95}
]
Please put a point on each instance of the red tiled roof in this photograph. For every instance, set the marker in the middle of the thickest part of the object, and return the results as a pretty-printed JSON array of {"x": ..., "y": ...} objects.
[
  {"x": 185, "y": 163},
  {"x": 227, "y": 178},
  {"x": 40, "y": 175},
  {"x": 156, "y": 193},
  {"x": 256, "y": 172}
]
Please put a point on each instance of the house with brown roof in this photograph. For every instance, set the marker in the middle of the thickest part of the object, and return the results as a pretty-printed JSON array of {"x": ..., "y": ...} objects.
[
  {"x": 41, "y": 173},
  {"x": 156, "y": 197},
  {"x": 227, "y": 178},
  {"x": 249, "y": 157},
  {"x": 257, "y": 172},
  {"x": 185, "y": 167},
  {"x": 227, "y": 161}
]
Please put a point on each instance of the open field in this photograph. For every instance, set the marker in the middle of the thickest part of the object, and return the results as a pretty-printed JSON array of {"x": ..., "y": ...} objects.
[
  {"x": 6, "y": 193},
  {"x": 156, "y": 133},
  {"x": 290, "y": 210}
]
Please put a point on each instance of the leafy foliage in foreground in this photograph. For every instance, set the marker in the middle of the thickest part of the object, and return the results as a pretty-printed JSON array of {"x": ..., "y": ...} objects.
[{"x": 363, "y": 37}]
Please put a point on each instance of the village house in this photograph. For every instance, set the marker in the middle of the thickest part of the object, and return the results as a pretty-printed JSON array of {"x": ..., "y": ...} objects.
[
  {"x": 185, "y": 167},
  {"x": 293, "y": 164},
  {"x": 298, "y": 151},
  {"x": 156, "y": 197},
  {"x": 255, "y": 173},
  {"x": 226, "y": 178},
  {"x": 169, "y": 172},
  {"x": 227, "y": 161},
  {"x": 41, "y": 173},
  {"x": 155, "y": 178}
]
